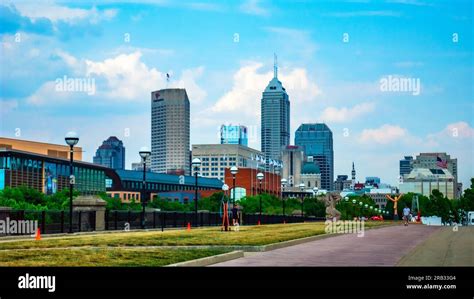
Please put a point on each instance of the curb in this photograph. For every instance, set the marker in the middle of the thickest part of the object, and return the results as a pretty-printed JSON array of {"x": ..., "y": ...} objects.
[{"x": 206, "y": 261}]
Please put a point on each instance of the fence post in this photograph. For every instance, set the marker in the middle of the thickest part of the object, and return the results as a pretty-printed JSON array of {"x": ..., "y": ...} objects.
[
  {"x": 43, "y": 222},
  {"x": 80, "y": 216},
  {"x": 129, "y": 217},
  {"x": 115, "y": 219},
  {"x": 62, "y": 221},
  {"x": 106, "y": 215}
]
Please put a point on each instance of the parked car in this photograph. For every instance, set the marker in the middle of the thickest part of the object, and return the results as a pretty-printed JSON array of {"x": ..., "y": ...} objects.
[{"x": 376, "y": 218}]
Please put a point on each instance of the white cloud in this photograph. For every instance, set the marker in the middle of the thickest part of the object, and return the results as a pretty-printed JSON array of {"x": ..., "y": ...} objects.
[
  {"x": 344, "y": 114},
  {"x": 246, "y": 93},
  {"x": 56, "y": 13},
  {"x": 121, "y": 78},
  {"x": 383, "y": 135},
  {"x": 457, "y": 130},
  {"x": 253, "y": 7}
]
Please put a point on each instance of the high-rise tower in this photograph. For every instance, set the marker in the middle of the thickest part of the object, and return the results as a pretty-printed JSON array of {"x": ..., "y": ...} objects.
[
  {"x": 317, "y": 144},
  {"x": 170, "y": 114},
  {"x": 275, "y": 118}
]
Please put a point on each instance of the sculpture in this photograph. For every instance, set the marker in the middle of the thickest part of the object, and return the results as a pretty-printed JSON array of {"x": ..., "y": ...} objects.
[
  {"x": 395, "y": 204},
  {"x": 330, "y": 201}
]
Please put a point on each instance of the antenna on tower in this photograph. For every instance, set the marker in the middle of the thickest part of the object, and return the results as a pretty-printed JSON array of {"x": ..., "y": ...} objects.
[{"x": 275, "y": 65}]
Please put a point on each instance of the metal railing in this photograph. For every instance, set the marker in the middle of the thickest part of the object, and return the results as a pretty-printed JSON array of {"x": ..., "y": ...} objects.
[{"x": 53, "y": 222}]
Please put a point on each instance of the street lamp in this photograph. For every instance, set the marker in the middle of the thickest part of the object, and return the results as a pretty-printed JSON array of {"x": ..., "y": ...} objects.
[
  {"x": 283, "y": 184},
  {"x": 196, "y": 163},
  {"x": 302, "y": 198},
  {"x": 354, "y": 201},
  {"x": 315, "y": 190},
  {"x": 144, "y": 154},
  {"x": 346, "y": 198},
  {"x": 260, "y": 177},
  {"x": 233, "y": 170},
  {"x": 71, "y": 139}
]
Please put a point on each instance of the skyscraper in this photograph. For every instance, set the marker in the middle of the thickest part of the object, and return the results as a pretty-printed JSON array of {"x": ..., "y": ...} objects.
[
  {"x": 275, "y": 118},
  {"x": 316, "y": 142},
  {"x": 111, "y": 154},
  {"x": 170, "y": 114}
]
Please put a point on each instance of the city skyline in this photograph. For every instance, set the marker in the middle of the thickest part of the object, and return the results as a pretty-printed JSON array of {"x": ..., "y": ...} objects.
[{"x": 330, "y": 77}]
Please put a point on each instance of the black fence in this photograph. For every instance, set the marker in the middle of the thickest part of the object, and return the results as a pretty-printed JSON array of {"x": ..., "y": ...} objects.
[
  {"x": 49, "y": 222},
  {"x": 120, "y": 220},
  {"x": 52, "y": 222}
]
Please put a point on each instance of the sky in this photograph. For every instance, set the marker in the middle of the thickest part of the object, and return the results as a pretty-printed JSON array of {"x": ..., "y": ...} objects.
[{"x": 390, "y": 78}]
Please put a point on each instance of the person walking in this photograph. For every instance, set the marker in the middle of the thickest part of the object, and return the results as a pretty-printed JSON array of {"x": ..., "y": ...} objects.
[{"x": 406, "y": 215}]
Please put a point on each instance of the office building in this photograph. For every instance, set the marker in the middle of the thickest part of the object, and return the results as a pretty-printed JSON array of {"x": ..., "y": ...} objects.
[
  {"x": 317, "y": 144},
  {"x": 234, "y": 134},
  {"x": 406, "y": 166},
  {"x": 372, "y": 181},
  {"x": 111, "y": 154},
  {"x": 292, "y": 159},
  {"x": 138, "y": 166},
  {"x": 275, "y": 119},
  {"x": 342, "y": 183},
  {"x": 215, "y": 158},
  {"x": 425, "y": 180},
  {"x": 170, "y": 123},
  {"x": 439, "y": 161}
]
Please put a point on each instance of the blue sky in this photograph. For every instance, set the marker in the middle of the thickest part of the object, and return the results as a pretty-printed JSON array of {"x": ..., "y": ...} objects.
[{"x": 331, "y": 56}]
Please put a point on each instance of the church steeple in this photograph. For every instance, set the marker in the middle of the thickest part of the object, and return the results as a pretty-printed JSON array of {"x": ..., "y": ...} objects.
[{"x": 353, "y": 173}]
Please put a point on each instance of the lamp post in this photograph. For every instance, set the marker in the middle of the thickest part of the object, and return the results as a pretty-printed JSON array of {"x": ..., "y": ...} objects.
[
  {"x": 71, "y": 139},
  {"x": 196, "y": 163},
  {"x": 302, "y": 199},
  {"x": 283, "y": 184},
  {"x": 233, "y": 170},
  {"x": 144, "y": 154},
  {"x": 260, "y": 177}
]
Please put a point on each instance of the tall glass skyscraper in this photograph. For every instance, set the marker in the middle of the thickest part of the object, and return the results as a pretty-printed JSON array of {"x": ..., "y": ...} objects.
[
  {"x": 316, "y": 142},
  {"x": 170, "y": 113},
  {"x": 111, "y": 154},
  {"x": 275, "y": 119}
]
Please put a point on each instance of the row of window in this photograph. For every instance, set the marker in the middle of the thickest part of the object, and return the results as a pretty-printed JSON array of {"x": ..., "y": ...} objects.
[{"x": 138, "y": 185}]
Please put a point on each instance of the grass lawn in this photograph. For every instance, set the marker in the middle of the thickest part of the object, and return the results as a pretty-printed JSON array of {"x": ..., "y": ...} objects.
[
  {"x": 101, "y": 257},
  {"x": 248, "y": 235}
]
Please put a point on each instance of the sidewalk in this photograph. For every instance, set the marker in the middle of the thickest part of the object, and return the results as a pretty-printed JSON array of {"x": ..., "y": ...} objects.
[
  {"x": 444, "y": 248},
  {"x": 379, "y": 247}
]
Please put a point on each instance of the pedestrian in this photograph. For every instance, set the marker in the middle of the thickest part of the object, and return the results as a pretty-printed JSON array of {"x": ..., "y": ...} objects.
[
  {"x": 406, "y": 214},
  {"x": 235, "y": 215}
]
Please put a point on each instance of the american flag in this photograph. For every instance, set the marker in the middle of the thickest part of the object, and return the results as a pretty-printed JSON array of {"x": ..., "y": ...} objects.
[{"x": 441, "y": 163}]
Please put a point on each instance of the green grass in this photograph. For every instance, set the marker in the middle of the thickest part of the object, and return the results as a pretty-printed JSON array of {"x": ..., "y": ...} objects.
[
  {"x": 247, "y": 236},
  {"x": 101, "y": 257}
]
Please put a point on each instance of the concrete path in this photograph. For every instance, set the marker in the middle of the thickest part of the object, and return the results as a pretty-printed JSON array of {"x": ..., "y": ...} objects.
[
  {"x": 447, "y": 247},
  {"x": 378, "y": 247}
]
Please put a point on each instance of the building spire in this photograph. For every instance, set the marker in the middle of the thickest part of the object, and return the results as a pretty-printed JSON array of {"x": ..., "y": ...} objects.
[{"x": 275, "y": 66}]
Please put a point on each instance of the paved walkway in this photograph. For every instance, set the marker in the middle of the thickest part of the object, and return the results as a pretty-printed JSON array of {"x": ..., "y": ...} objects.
[
  {"x": 378, "y": 247},
  {"x": 447, "y": 247}
]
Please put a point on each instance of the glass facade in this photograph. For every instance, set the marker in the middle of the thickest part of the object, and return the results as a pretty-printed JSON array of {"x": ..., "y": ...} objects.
[
  {"x": 316, "y": 142},
  {"x": 48, "y": 175}
]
